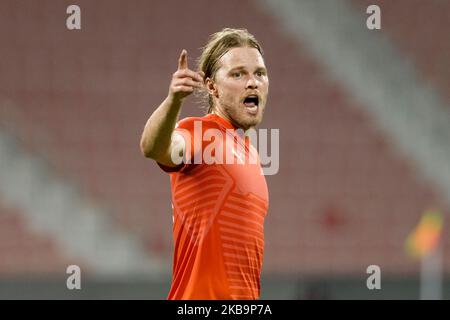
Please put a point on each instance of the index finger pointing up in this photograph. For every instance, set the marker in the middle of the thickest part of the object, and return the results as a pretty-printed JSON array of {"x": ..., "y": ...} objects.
[{"x": 182, "y": 61}]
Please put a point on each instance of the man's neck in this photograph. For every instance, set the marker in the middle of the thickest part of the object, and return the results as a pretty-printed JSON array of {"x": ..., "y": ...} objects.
[{"x": 223, "y": 115}]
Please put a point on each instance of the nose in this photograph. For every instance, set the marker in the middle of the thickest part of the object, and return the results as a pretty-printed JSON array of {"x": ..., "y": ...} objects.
[{"x": 252, "y": 83}]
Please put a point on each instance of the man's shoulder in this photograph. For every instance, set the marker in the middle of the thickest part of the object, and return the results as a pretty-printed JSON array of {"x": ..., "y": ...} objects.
[
  {"x": 203, "y": 122},
  {"x": 188, "y": 122}
]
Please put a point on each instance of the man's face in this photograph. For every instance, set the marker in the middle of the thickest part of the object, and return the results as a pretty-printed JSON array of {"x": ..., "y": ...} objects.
[{"x": 242, "y": 85}]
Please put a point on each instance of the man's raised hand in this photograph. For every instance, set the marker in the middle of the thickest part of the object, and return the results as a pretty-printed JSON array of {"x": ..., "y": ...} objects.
[{"x": 184, "y": 80}]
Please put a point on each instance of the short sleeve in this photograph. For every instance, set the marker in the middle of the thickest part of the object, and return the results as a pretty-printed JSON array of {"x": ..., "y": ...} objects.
[{"x": 185, "y": 128}]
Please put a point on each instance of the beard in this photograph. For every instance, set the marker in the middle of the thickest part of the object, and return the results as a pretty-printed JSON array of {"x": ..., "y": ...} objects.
[{"x": 240, "y": 117}]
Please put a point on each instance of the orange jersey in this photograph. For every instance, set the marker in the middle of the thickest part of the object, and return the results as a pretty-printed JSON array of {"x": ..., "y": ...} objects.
[{"x": 219, "y": 211}]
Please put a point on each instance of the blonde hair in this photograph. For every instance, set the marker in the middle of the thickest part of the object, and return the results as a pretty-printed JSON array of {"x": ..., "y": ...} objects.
[{"x": 218, "y": 44}]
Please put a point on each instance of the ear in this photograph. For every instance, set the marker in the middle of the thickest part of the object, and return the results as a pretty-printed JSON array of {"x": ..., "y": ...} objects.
[{"x": 211, "y": 87}]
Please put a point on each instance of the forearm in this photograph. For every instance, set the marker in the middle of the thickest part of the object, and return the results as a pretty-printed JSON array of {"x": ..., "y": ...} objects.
[{"x": 156, "y": 137}]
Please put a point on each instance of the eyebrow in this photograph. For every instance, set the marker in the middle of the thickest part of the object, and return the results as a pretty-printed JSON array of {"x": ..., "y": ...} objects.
[{"x": 243, "y": 67}]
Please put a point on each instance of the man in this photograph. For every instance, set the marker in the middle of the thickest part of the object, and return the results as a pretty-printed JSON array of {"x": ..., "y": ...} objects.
[{"x": 219, "y": 206}]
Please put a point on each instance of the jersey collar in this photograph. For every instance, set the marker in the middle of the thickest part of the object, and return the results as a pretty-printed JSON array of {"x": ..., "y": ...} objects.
[{"x": 224, "y": 122}]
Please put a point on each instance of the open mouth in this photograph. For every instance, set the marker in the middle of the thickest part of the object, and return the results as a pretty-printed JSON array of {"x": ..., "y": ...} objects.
[{"x": 251, "y": 103}]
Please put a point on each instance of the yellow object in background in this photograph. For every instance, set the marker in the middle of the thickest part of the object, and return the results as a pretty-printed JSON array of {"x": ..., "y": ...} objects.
[{"x": 425, "y": 237}]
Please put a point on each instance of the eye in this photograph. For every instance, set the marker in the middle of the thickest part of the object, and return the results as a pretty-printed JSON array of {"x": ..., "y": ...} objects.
[
  {"x": 236, "y": 74},
  {"x": 260, "y": 73}
]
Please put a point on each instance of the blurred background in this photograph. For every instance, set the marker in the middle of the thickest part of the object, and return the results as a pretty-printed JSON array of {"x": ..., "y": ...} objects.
[{"x": 364, "y": 120}]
